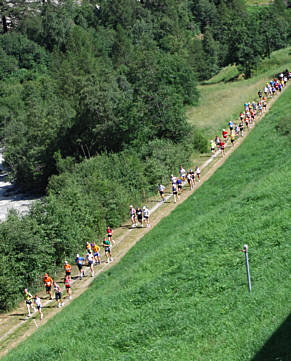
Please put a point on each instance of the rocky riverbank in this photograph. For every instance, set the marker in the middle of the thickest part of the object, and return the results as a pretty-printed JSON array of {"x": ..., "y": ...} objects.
[{"x": 11, "y": 197}]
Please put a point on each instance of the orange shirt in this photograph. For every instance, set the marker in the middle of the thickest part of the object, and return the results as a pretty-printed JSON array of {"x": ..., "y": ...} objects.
[
  {"x": 68, "y": 267},
  {"x": 48, "y": 281}
]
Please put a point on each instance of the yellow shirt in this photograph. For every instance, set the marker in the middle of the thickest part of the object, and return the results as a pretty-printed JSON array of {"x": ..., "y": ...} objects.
[{"x": 96, "y": 248}]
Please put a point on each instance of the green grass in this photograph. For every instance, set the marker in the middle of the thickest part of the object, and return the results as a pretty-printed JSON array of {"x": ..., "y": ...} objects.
[
  {"x": 259, "y": 2},
  {"x": 181, "y": 293},
  {"x": 221, "y": 102},
  {"x": 226, "y": 74}
]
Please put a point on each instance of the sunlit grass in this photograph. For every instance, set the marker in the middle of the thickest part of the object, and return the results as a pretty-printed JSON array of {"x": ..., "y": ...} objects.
[
  {"x": 181, "y": 293},
  {"x": 222, "y": 102}
]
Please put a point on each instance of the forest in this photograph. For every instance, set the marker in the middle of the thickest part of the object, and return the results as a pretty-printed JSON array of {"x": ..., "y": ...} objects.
[{"x": 92, "y": 109}]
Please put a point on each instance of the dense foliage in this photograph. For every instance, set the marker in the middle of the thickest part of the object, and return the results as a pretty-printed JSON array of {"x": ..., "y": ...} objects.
[
  {"x": 77, "y": 79},
  {"x": 92, "y": 98}
]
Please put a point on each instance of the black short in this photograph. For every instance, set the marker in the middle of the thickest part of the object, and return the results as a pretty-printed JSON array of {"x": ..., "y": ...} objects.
[
  {"x": 175, "y": 192},
  {"x": 107, "y": 249},
  {"x": 68, "y": 273},
  {"x": 28, "y": 302},
  {"x": 58, "y": 295},
  {"x": 139, "y": 218},
  {"x": 48, "y": 288},
  {"x": 161, "y": 193},
  {"x": 179, "y": 186},
  {"x": 80, "y": 266}
]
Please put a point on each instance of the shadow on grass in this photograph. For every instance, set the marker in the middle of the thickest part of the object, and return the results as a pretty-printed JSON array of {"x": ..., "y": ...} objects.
[
  {"x": 16, "y": 314},
  {"x": 278, "y": 347}
]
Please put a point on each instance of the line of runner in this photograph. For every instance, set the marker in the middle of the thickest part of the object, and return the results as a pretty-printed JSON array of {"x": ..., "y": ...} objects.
[{"x": 139, "y": 217}]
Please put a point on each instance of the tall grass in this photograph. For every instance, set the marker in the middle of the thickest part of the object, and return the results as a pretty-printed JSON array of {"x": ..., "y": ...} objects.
[
  {"x": 221, "y": 102},
  {"x": 181, "y": 293}
]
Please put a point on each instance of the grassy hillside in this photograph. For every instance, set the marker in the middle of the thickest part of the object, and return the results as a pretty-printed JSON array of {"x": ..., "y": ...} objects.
[
  {"x": 222, "y": 100},
  {"x": 181, "y": 293}
]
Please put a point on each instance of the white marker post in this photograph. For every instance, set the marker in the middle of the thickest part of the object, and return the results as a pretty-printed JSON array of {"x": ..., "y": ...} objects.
[{"x": 246, "y": 248}]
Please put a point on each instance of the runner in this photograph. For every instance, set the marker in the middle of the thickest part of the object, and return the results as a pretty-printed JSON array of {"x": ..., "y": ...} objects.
[
  {"x": 230, "y": 125},
  {"x": 68, "y": 269},
  {"x": 96, "y": 253},
  {"x": 162, "y": 191},
  {"x": 139, "y": 216},
  {"x": 241, "y": 128},
  {"x": 37, "y": 302},
  {"x": 146, "y": 214},
  {"x": 224, "y": 135},
  {"x": 260, "y": 107},
  {"x": 58, "y": 295},
  {"x": 68, "y": 286},
  {"x": 264, "y": 101},
  {"x": 180, "y": 186},
  {"x": 88, "y": 247},
  {"x": 28, "y": 301},
  {"x": 260, "y": 94},
  {"x": 175, "y": 193},
  {"x": 173, "y": 179},
  {"x": 48, "y": 281},
  {"x": 79, "y": 262},
  {"x": 182, "y": 173},
  {"x": 232, "y": 139},
  {"x": 192, "y": 176},
  {"x": 217, "y": 141},
  {"x": 222, "y": 148},
  {"x": 212, "y": 146},
  {"x": 247, "y": 122},
  {"x": 236, "y": 128},
  {"x": 109, "y": 234},
  {"x": 189, "y": 180},
  {"x": 132, "y": 216},
  {"x": 107, "y": 248},
  {"x": 197, "y": 169},
  {"x": 90, "y": 259}
]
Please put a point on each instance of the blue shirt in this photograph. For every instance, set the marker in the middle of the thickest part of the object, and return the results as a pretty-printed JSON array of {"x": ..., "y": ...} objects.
[{"x": 79, "y": 260}]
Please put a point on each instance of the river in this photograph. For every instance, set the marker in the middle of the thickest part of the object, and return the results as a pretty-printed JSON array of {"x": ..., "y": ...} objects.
[{"x": 10, "y": 197}]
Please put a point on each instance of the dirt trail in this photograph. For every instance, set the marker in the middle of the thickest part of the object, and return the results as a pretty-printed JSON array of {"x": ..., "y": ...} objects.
[{"x": 15, "y": 327}]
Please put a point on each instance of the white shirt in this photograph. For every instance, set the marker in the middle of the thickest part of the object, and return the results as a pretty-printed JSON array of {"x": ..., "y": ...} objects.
[
  {"x": 146, "y": 212},
  {"x": 174, "y": 180},
  {"x": 182, "y": 172},
  {"x": 161, "y": 188},
  {"x": 37, "y": 301}
]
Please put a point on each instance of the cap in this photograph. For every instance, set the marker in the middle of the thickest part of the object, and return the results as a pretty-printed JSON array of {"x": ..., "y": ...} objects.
[
  {"x": 144, "y": 207},
  {"x": 131, "y": 206},
  {"x": 78, "y": 255},
  {"x": 66, "y": 262}
]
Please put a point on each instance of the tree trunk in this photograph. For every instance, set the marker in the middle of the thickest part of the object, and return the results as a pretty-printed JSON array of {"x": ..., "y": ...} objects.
[{"x": 4, "y": 24}]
